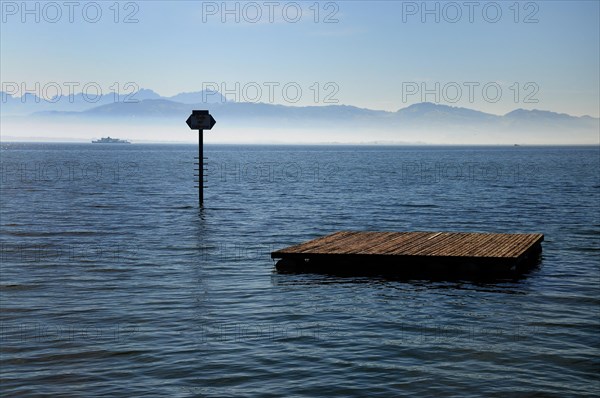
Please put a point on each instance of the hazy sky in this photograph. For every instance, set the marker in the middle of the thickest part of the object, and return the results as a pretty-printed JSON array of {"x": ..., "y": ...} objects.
[{"x": 378, "y": 55}]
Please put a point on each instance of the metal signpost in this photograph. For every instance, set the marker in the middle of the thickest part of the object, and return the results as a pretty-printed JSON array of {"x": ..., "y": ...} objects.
[{"x": 200, "y": 120}]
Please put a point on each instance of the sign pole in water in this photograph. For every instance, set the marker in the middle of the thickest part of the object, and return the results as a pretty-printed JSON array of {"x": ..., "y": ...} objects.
[{"x": 200, "y": 120}]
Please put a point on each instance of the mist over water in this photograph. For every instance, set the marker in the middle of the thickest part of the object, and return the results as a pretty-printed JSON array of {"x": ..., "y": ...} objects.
[{"x": 113, "y": 282}]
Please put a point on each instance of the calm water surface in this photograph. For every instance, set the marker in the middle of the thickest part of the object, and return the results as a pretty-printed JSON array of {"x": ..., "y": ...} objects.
[{"x": 114, "y": 283}]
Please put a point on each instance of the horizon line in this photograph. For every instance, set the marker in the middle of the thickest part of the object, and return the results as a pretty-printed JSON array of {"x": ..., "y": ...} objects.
[{"x": 405, "y": 144}]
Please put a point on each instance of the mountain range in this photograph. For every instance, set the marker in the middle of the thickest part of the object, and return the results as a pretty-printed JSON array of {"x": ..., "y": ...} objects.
[
  {"x": 29, "y": 103},
  {"x": 411, "y": 122}
]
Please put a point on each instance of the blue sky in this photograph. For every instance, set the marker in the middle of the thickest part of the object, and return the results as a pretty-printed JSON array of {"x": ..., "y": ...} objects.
[{"x": 370, "y": 57}]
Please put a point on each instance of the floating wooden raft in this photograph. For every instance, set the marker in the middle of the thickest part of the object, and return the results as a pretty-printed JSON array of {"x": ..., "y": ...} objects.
[{"x": 426, "y": 254}]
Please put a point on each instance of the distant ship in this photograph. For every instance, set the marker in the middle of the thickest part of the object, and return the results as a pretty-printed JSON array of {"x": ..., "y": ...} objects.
[{"x": 109, "y": 140}]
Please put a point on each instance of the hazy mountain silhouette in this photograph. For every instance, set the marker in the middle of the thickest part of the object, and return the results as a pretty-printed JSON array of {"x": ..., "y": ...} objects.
[
  {"x": 437, "y": 112},
  {"x": 423, "y": 119},
  {"x": 30, "y": 103},
  {"x": 423, "y": 114},
  {"x": 199, "y": 97}
]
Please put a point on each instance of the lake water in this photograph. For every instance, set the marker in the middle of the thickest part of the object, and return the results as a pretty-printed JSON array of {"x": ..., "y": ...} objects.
[{"x": 114, "y": 283}]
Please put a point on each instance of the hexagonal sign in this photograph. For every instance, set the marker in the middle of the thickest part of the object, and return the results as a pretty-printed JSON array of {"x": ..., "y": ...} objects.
[{"x": 200, "y": 120}]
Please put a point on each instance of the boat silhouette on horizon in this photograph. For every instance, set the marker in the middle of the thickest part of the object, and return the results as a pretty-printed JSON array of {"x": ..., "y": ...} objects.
[{"x": 108, "y": 140}]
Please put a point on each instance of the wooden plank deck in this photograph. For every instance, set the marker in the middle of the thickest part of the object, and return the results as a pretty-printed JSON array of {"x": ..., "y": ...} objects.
[{"x": 420, "y": 252}]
